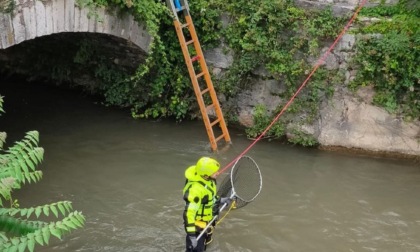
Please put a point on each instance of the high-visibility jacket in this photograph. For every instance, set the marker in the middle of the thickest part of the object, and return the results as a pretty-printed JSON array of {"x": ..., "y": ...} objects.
[{"x": 200, "y": 197}]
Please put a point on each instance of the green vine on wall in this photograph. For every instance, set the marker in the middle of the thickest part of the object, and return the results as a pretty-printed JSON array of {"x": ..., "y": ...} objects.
[
  {"x": 277, "y": 36},
  {"x": 280, "y": 37},
  {"x": 7, "y": 6},
  {"x": 274, "y": 34},
  {"x": 388, "y": 58},
  {"x": 161, "y": 86}
]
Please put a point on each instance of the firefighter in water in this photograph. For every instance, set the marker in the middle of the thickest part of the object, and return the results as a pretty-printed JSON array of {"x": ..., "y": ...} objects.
[{"x": 201, "y": 202}]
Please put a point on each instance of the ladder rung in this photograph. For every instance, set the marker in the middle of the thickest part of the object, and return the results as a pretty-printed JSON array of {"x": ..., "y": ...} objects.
[
  {"x": 180, "y": 9},
  {"x": 185, "y": 25},
  {"x": 215, "y": 122},
  {"x": 190, "y": 42},
  {"x": 199, "y": 75},
  {"x": 220, "y": 137},
  {"x": 205, "y": 91},
  {"x": 197, "y": 57}
]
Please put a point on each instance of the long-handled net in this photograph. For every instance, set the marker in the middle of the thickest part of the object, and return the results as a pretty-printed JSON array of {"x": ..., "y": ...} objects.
[
  {"x": 243, "y": 185},
  {"x": 244, "y": 181}
]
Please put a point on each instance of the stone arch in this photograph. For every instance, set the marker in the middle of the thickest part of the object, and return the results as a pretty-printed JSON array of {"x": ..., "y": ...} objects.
[{"x": 33, "y": 18}]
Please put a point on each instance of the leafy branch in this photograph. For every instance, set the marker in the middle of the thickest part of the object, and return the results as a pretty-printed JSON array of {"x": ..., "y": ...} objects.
[{"x": 17, "y": 167}]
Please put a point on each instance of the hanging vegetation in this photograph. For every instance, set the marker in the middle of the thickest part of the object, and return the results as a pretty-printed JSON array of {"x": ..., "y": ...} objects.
[
  {"x": 274, "y": 34},
  {"x": 388, "y": 57},
  {"x": 277, "y": 36}
]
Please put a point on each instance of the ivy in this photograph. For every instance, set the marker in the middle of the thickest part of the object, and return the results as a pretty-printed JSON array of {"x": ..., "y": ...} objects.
[
  {"x": 389, "y": 60},
  {"x": 301, "y": 138},
  {"x": 279, "y": 36},
  {"x": 261, "y": 120},
  {"x": 7, "y": 6},
  {"x": 276, "y": 36},
  {"x": 265, "y": 33}
]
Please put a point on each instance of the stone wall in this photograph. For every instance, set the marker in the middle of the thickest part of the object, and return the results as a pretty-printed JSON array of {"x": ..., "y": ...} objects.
[
  {"x": 30, "y": 19},
  {"x": 347, "y": 120}
]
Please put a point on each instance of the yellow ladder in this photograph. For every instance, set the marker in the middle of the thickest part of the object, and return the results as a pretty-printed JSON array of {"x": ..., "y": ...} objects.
[{"x": 203, "y": 86}]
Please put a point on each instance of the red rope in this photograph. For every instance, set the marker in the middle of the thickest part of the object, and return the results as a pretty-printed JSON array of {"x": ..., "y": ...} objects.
[{"x": 317, "y": 65}]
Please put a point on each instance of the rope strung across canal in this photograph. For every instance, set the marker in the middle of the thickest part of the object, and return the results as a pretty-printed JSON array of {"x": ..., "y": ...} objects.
[{"x": 317, "y": 65}]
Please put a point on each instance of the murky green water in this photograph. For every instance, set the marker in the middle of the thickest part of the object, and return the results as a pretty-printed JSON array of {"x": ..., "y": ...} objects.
[{"x": 126, "y": 176}]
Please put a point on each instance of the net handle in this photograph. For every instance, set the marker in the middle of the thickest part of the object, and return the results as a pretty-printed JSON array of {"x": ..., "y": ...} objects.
[{"x": 215, "y": 217}]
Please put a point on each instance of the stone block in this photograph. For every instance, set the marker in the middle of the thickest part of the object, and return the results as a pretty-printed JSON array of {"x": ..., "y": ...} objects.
[
  {"x": 83, "y": 20},
  {"x": 217, "y": 58},
  {"x": 100, "y": 27},
  {"x": 49, "y": 19},
  {"x": 19, "y": 28},
  {"x": 69, "y": 7},
  {"x": 40, "y": 19},
  {"x": 138, "y": 38},
  {"x": 58, "y": 16},
  {"x": 7, "y": 38},
  {"x": 346, "y": 43}
]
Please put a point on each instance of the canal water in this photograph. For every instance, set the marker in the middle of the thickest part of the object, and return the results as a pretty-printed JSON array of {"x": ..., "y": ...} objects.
[{"x": 126, "y": 176}]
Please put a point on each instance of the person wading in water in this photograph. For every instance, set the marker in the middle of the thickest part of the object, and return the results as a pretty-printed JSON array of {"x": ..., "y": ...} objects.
[{"x": 201, "y": 202}]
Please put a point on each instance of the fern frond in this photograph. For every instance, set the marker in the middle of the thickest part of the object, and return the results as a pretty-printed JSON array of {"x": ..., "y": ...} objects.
[
  {"x": 6, "y": 186},
  {"x": 63, "y": 207},
  {"x": 33, "y": 176},
  {"x": 3, "y": 237},
  {"x": 24, "y": 223},
  {"x": 3, "y": 162},
  {"x": 14, "y": 226},
  {"x": 26, "y": 154},
  {"x": 42, "y": 235},
  {"x": 36, "y": 156},
  {"x": 20, "y": 162},
  {"x": 18, "y": 166},
  {"x": 4, "y": 169},
  {"x": 33, "y": 136},
  {"x": 11, "y": 168}
]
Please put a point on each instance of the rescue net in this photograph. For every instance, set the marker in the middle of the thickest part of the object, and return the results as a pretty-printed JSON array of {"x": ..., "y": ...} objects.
[
  {"x": 244, "y": 182},
  {"x": 242, "y": 185}
]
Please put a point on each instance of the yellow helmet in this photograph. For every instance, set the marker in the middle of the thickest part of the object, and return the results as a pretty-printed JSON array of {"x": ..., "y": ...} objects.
[{"x": 207, "y": 166}]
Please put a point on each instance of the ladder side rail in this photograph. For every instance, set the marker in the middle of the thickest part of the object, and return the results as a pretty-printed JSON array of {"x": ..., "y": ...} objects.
[
  {"x": 196, "y": 86},
  {"x": 207, "y": 77},
  {"x": 178, "y": 6},
  {"x": 171, "y": 6},
  {"x": 187, "y": 7}
]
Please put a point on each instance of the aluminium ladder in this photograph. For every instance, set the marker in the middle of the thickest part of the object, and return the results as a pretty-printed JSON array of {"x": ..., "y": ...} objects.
[{"x": 203, "y": 86}]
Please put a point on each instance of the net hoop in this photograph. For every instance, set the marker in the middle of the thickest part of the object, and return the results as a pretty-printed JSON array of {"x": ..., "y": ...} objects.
[{"x": 233, "y": 179}]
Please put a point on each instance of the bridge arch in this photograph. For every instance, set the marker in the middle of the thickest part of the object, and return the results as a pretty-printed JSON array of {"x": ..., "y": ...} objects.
[{"x": 30, "y": 19}]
